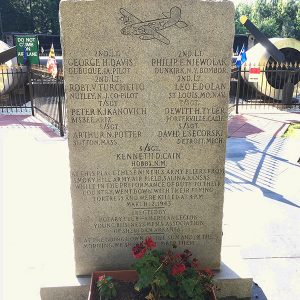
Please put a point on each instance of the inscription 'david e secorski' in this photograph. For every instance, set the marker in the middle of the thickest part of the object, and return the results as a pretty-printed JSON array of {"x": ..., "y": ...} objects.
[{"x": 148, "y": 30}]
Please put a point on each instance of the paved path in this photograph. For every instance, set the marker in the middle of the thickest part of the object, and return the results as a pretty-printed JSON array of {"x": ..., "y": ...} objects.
[
  {"x": 262, "y": 200},
  {"x": 261, "y": 208}
]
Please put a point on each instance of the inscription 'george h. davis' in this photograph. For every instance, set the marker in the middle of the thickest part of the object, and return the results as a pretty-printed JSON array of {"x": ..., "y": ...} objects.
[
  {"x": 148, "y": 30},
  {"x": 147, "y": 125}
]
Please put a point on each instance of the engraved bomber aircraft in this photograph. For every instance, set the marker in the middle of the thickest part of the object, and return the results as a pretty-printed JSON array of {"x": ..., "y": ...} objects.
[{"x": 147, "y": 30}]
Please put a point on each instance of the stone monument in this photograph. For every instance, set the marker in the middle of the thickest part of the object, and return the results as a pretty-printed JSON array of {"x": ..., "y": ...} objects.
[{"x": 147, "y": 84}]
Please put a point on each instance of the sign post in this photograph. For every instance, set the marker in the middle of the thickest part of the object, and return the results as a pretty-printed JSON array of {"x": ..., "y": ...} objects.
[{"x": 30, "y": 44}]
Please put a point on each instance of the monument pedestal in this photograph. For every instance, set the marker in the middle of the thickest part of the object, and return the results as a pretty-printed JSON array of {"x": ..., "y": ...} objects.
[
  {"x": 233, "y": 281},
  {"x": 147, "y": 86}
]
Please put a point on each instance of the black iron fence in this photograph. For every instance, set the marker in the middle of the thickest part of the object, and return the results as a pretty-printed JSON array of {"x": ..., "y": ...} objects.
[
  {"x": 33, "y": 90},
  {"x": 48, "y": 97},
  {"x": 14, "y": 90},
  {"x": 276, "y": 85}
]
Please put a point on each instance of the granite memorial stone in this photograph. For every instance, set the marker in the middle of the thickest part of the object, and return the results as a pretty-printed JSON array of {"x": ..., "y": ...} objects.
[{"x": 147, "y": 85}]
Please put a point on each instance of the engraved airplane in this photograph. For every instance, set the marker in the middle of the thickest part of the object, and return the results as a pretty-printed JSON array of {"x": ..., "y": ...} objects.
[{"x": 147, "y": 30}]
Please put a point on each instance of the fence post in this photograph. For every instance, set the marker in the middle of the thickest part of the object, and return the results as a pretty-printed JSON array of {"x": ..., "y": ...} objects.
[
  {"x": 288, "y": 88},
  {"x": 238, "y": 91},
  {"x": 60, "y": 114},
  {"x": 30, "y": 88}
]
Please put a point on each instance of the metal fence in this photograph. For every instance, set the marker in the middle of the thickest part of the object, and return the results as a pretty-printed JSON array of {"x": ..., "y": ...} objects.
[
  {"x": 33, "y": 90},
  {"x": 276, "y": 85},
  {"x": 49, "y": 97},
  {"x": 14, "y": 90}
]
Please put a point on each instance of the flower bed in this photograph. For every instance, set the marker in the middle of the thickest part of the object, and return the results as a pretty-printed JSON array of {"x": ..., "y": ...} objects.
[
  {"x": 158, "y": 275},
  {"x": 123, "y": 277}
]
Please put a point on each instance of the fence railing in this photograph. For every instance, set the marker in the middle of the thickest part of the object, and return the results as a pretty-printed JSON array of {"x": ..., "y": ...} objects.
[
  {"x": 14, "y": 90},
  {"x": 276, "y": 85},
  {"x": 33, "y": 90},
  {"x": 49, "y": 97}
]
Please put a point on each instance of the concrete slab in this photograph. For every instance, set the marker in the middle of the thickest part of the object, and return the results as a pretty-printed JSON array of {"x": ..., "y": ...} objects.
[
  {"x": 261, "y": 211},
  {"x": 65, "y": 293},
  {"x": 278, "y": 277},
  {"x": 262, "y": 201},
  {"x": 37, "y": 227},
  {"x": 233, "y": 279}
]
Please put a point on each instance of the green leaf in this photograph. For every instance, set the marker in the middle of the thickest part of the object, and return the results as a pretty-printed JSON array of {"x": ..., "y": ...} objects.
[
  {"x": 189, "y": 285},
  {"x": 114, "y": 293},
  {"x": 161, "y": 279},
  {"x": 146, "y": 276},
  {"x": 138, "y": 286},
  {"x": 169, "y": 291}
]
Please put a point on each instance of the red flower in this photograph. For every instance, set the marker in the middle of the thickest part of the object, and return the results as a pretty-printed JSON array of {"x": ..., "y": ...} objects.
[
  {"x": 150, "y": 244},
  {"x": 195, "y": 264},
  {"x": 139, "y": 250},
  {"x": 165, "y": 259},
  {"x": 209, "y": 272},
  {"x": 179, "y": 255},
  {"x": 178, "y": 269},
  {"x": 101, "y": 277}
]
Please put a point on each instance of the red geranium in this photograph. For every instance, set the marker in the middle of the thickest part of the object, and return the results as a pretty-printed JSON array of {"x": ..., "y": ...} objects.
[
  {"x": 162, "y": 271},
  {"x": 150, "y": 244},
  {"x": 139, "y": 250},
  {"x": 195, "y": 264},
  {"x": 209, "y": 272},
  {"x": 178, "y": 269}
]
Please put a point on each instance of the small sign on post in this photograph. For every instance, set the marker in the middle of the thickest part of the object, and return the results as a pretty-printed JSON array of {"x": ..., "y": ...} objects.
[
  {"x": 254, "y": 74},
  {"x": 27, "y": 47}
]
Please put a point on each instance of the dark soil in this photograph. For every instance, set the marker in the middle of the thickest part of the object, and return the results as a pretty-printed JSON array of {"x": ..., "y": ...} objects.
[{"x": 126, "y": 291}]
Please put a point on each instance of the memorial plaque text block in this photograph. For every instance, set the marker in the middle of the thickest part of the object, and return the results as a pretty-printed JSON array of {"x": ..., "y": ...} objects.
[{"x": 147, "y": 86}]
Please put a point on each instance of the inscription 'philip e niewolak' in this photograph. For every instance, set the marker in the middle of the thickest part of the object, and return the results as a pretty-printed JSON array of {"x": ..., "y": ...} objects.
[{"x": 147, "y": 87}]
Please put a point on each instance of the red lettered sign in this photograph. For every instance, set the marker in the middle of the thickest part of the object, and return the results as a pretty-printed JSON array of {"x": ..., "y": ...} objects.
[{"x": 254, "y": 74}]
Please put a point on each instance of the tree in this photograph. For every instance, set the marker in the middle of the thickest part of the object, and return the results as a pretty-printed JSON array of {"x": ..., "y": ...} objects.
[
  {"x": 13, "y": 19},
  {"x": 275, "y": 18},
  {"x": 242, "y": 9},
  {"x": 36, "y": 16},
  {"x": 290, "y": 18}
]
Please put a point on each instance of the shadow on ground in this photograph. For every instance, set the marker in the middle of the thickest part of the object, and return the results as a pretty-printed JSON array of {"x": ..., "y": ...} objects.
[{"x": 258, "y": 163}]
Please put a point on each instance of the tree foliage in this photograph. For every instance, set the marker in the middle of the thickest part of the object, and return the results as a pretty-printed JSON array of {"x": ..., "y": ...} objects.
[
  {"x": 36, "y": 16},
  {"x": 275, "y": 18}
]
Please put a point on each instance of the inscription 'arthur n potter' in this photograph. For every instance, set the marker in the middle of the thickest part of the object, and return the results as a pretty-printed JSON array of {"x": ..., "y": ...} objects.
[{"x": 148, "y": 30}]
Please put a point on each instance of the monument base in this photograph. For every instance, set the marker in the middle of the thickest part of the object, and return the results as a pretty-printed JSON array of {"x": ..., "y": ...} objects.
[
  {"x": 233, "y": 282},
  {"x": 233, "y": 279},
  {"x": 65, "y": 292}
]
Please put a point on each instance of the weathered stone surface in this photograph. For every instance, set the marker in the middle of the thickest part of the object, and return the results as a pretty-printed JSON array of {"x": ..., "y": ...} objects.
[
  {"x": 65, "y": 293},
  {"x": 233, "y": 279},
  {"x": 147, "y": 112}
]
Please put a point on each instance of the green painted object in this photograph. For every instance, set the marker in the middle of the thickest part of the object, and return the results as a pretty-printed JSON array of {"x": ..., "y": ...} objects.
[{"x": 30, "y": 43}]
